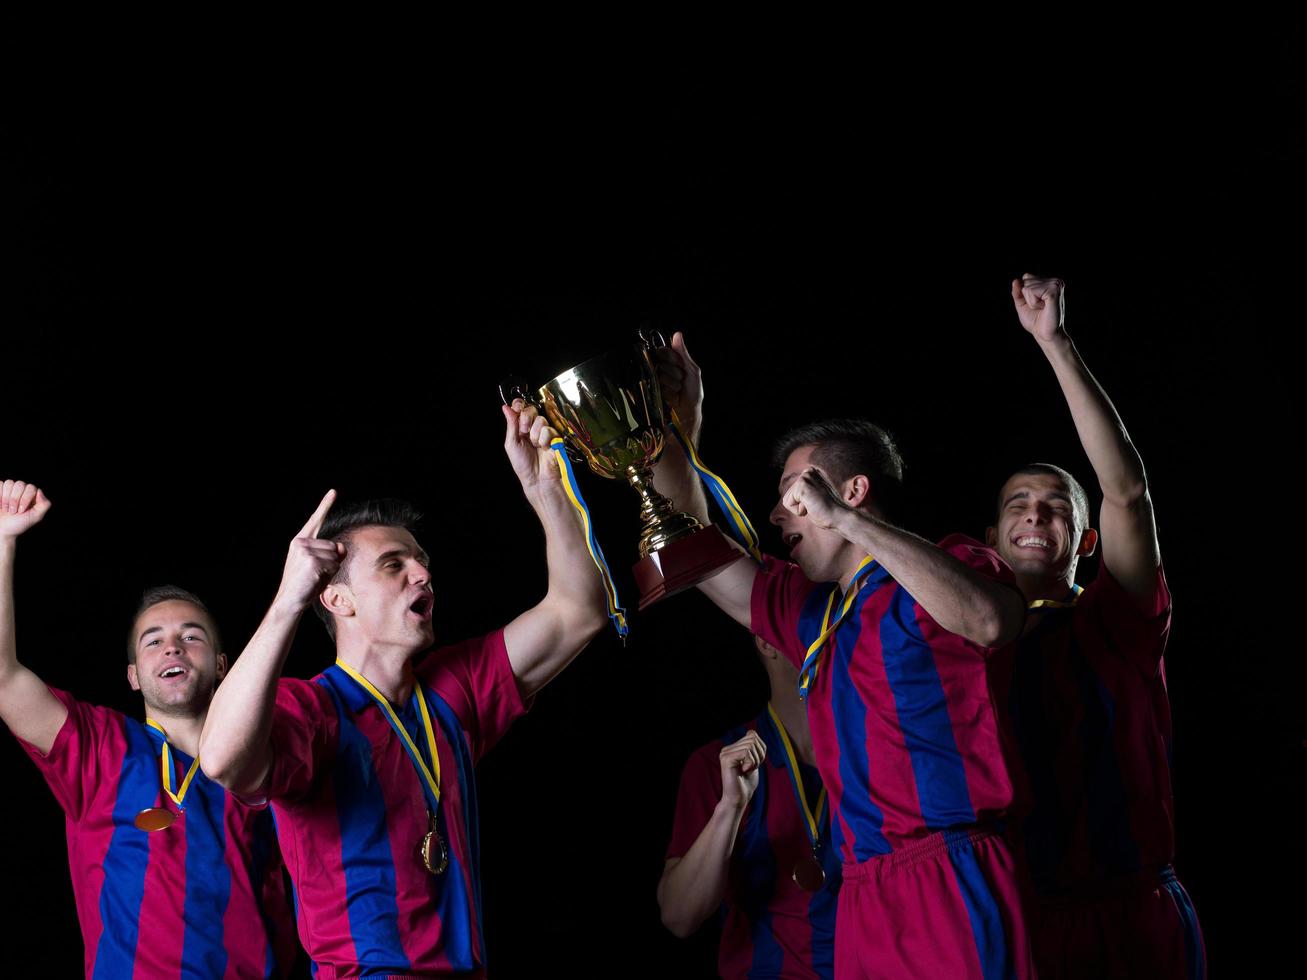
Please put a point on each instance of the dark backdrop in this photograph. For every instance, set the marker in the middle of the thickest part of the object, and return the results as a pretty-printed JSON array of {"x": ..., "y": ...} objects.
[{"x": 217, "y": 307}]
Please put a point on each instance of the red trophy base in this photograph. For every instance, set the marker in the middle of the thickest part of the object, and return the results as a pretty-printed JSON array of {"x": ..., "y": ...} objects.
[{"x": 682, "y": 564}]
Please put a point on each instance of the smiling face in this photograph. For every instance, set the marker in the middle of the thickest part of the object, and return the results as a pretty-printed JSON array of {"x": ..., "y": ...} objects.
[
  {"x": 176, "y": 664},
  {"x": 384, "y": 598},
  {"x": 1039, "y": 532}
]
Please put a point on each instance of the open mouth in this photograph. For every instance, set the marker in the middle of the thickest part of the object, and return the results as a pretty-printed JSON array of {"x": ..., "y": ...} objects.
[
  {"x": 422, "y": 605},
  {"x": 176, "y": 670},
  {"x": 792, "y": 541}
]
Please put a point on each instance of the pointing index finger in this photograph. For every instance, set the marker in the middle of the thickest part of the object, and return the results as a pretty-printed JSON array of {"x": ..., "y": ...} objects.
[{"x": 314, "y": 525}]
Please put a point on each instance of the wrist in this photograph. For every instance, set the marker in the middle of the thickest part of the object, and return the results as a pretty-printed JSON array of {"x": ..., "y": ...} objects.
[
  {"x": 545, "y": 494},
  {"x": 730, "y": 809},
  {"x": 286, "y": 606},
  {"x": 1056, "y": 346}
]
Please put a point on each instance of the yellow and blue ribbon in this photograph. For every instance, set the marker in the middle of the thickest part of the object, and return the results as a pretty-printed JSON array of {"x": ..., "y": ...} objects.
[
  {"x": 739, "y": 526},
  {"x": 430, "y": 775},
  {"x": 615, "y": 611},
  {"x": 168, "y": 770},
  {"x": 1057, "y": 604},
  {"x": 813, "y": 818},
  {"x": 811, "y": 660}
]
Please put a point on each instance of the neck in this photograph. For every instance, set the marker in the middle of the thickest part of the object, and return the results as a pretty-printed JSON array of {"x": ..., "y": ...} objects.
[
  {"x": 794, "y": 716},
  {"x": 851, "y": 569},
  {"x": 1035, "y": 587},
  {"x": 183, "y": 731},
  {"x": 385, "y": 669}
]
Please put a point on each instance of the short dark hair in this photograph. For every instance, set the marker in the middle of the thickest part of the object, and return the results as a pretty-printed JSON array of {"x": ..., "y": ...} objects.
[
  {"x": 343, "y": 521},
  {"x": 1079, "y": 499},
  {"x": 846, "y": 448},
  {"x": 168, "y": 593}
]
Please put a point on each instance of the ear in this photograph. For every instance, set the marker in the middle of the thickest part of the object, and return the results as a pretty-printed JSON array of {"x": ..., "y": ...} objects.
[
  {"x": 765, "y": 649},
  {"x": 991, "y": 537},
  {"x": 337, "y": 600},
  {"x": 131, "y": 678},
  {"x": 220, "y": 666},
  {"x": 856, "y": 491},
  {"x": 1088, "y": 542}
]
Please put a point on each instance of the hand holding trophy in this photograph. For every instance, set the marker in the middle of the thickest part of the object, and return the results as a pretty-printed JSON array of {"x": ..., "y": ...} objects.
[{"x": 610, "y": 413}]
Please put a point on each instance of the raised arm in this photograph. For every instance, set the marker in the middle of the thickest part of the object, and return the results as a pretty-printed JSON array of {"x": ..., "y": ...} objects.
[
  {"x": 693, "y": 885},
  {"x": 957, "y": 597},
  {"x": 26, "y": 704},
  {"x": 1127, "y": 531},
  {"x": 235, "y": 746},
  {"x": 545, "y": 638},
  {"x": 681, "y": 382}
]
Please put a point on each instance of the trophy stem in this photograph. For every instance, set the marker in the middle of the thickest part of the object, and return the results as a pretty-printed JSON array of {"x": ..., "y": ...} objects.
[{"x": 661, "y": 523}]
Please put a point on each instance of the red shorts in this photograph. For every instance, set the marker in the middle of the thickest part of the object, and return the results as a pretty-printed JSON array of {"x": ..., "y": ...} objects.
[
  {"x": 947, "y": 906},
  {"x": 1142, "y": 926}
]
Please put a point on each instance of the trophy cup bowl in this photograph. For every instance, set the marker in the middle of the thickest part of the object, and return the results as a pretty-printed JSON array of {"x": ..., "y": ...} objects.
[{"x": 609, "y": 412}]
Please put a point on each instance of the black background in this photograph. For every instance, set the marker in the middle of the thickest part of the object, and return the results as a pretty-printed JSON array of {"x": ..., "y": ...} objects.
[{"x": 222, "y": 301}]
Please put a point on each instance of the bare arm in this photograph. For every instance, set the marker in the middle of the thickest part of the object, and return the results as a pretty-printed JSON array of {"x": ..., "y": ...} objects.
[
  {"x": 235, "y": 746},
  {"x": 1127, "y": 529},
  {"x": 26, "y": 704},
  {"x": 681, "y": 383},
  {"x": 693, "y": 885},
  {"x": 957, "y": 597},
  {"x": 545, "y": 638}
]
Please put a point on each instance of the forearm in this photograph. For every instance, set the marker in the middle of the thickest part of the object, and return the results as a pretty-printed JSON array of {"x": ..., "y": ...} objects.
[
  {"x": 1116, "y": 463},
  {"x": 960, "y": 599},
  {"x": 676, "y": 480},
  {"x": 235, "y": 746},
  {"x": 26, "y": 704},
  {"x": 692, "y": 889},
  {"x": 543, "y": 640}
]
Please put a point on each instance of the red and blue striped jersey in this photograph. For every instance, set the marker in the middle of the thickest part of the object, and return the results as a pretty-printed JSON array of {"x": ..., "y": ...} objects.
[
  {"x": 771, "y": 926},
  {"x": 1087, "y": 697},
  {"x": 351, "y": 815},
  {"x": 906, "y": 735},
  {"x": 201, "y": 898}
]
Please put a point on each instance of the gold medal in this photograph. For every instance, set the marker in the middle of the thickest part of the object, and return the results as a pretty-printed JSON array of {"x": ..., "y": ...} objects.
[
  {"x": 433, "y": 843},
  {"x": 808, "y": 874},
  {"x": 154, "y": 818}
]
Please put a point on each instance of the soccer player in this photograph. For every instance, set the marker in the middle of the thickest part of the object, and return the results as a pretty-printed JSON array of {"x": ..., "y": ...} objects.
[
  {"x": 369, "y": 765},
  {"x": 891, "y": 635},
  {"x": 171, "y": 876},
  {"x": 752, "y": 833},
  {"x": 1088, "y": 693}
]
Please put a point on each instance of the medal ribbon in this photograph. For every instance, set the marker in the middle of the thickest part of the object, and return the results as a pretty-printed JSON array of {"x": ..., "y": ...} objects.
[
  {"x": 740, "y": 528},
  {"x": 808, "y": 672},
  {"x": 169, "y": 770},
  {"x": 1056, "y": 604},
  {"x": 615, "y": 611},
  {"x": 812, "y": 820},
  {"x": 430, "y": 780}
]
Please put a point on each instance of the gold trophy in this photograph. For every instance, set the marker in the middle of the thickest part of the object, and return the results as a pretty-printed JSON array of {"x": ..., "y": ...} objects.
[{"x": 609, "y": 412}]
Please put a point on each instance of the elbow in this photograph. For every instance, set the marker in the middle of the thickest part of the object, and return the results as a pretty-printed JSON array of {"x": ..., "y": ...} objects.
[
  {"x": 677, "y": 926},
  {"x": 674, "y": 918},
  {"x": 999, "y": 623},
  {"x": 215, "y": 767},
  {"x": 1130, "y": 495}
]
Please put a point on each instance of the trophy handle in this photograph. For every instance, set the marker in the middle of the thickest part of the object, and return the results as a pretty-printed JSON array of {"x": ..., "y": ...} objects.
[
  {"x": 651, "y": 339},
  {"x": 514, "y": 387}
]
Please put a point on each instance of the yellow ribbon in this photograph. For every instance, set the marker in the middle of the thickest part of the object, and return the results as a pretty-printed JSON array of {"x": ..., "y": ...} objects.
[
  {"x": 813, "y": 819},
  {"x": 167, "y": 767},
  {"x": 432, "y": 780},
  {"x": 808, "y": 672}
]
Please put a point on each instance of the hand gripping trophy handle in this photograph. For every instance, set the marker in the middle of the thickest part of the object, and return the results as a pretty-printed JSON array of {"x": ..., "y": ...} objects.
[{"x": 610, "y": 414}]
